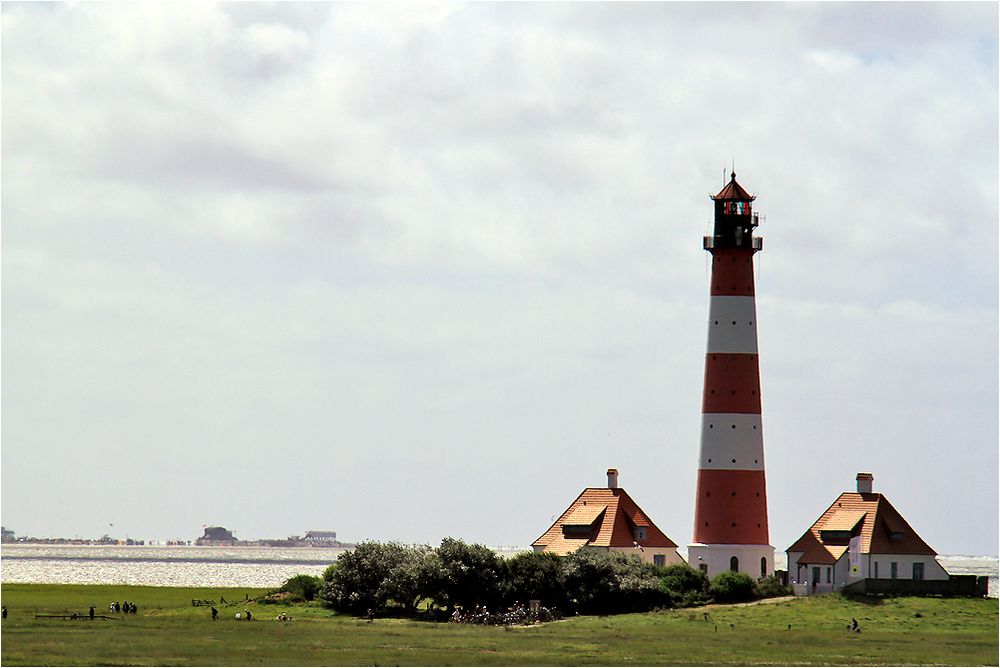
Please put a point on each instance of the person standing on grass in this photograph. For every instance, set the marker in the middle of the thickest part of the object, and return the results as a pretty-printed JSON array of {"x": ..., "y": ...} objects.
[
  {"x": 215, "y": 613},
  {"x": 91, "y": 612}
]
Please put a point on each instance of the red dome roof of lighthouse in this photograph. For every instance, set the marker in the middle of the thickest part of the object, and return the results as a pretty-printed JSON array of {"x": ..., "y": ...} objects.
[{"x": 734, "y": 192}]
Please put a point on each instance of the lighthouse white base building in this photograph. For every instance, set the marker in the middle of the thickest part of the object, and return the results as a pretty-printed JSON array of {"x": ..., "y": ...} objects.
[{"x": 715, "y": 559}]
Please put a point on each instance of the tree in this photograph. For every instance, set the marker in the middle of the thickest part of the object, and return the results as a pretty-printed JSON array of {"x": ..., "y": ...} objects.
[
  {"x": 605, "y": 582},
  {"x": 460, "y": 574},
  {"x": 363, "y": 578},
  {"x": 536, "y": 575},
  {"x": 406, "y": 583}
]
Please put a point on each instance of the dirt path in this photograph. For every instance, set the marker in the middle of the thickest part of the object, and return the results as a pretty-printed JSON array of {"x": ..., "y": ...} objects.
[{"x": 763, "y": 601}]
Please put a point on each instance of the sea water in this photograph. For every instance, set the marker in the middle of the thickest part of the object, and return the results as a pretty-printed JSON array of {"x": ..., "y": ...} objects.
[{"x": 189, "y": 566}]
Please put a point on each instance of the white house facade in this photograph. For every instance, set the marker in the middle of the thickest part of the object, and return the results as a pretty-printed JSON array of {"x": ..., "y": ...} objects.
[{"x": 860, "y": 536}]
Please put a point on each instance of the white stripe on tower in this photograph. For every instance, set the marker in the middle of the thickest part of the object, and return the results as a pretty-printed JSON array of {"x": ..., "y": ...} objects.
[{"x": 732, "y": 325}]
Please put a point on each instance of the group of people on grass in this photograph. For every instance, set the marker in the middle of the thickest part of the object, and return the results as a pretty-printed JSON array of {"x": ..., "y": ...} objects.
[{"x": 245, "y": 615}]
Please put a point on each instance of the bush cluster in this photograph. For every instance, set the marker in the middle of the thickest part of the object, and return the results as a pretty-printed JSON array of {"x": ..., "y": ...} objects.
[
  {"x": 389, "y": 577},
  {"x": 393, "y": 578}
]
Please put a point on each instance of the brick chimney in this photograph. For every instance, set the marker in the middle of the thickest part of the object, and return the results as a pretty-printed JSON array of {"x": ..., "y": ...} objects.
[
  {"x": 865, "y": 483},
  {"x": 612, "y": 478}
]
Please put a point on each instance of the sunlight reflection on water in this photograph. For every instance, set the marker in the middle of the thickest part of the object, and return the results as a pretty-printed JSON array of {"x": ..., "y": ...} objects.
[
  {"x": 161, "y": 566},
  {"x": 187, "y": 566}
]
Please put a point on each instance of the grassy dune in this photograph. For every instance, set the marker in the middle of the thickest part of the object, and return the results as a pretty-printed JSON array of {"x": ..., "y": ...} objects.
[{"x": 168, "y": 631}]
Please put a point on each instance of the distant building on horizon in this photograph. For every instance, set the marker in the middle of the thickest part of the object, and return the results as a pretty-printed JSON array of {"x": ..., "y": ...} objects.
[
  {"x": 320, "y": 537},
  {"x": 860, "y": 536},
  {"x": 217, "y": 536},
  {"x": 607, "y": 518}
]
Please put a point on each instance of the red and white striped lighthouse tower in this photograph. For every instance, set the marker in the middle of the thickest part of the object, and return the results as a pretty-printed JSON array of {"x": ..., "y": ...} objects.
[{"x": 730, "y": 520}]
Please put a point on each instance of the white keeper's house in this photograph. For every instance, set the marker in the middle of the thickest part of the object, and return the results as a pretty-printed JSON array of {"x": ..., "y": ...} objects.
[{"x": 859, "y": 537}]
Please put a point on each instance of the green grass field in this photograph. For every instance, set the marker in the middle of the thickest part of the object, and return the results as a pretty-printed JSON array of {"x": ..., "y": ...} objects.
[{"x": 169, "y": 631}]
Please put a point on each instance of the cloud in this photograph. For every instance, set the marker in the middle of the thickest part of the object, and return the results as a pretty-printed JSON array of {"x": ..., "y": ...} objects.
[{"x": 452, "y": 251}]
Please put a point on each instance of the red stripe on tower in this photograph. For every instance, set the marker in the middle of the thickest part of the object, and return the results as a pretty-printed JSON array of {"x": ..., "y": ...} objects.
[{"x": 730, "y": 529}]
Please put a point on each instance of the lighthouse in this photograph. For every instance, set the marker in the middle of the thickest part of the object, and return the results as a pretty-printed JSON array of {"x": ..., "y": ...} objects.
[{"x": 730, "y": 521}]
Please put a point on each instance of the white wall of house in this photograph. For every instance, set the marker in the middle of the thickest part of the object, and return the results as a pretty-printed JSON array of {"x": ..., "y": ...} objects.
[
  {"x": 670, "y": 555},
  {"x": 904, "y": 569},
  {"x": 718, "y": 558},
  {"x": 801, "y": 579},
  {"x": 795, "y": 573},
  {"x": 801, "y": 576}
]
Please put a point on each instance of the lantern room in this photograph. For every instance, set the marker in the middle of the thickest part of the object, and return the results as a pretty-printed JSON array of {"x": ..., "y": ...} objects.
[{"x": 735, "y": 219}]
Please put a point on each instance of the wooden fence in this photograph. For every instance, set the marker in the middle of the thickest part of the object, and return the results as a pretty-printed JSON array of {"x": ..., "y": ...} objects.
[{"x": 955, "y": 585}]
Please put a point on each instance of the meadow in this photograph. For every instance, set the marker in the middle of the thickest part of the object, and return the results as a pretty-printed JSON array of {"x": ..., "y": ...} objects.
[{"x": 168, "y": 630}]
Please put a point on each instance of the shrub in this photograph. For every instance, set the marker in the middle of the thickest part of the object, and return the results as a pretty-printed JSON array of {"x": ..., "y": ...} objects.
[
  {"x": 302, "y": 587},
  {"x": 680, "y": 579},
  {"x": 771, "y": 587},
  {"x": 277, "y": 598},
  {"x": 330, "y": 570},
  {"x": 730, "y": 587},
  {"x": 686, "y": 586},
  {"x": 692, "y": 599}
]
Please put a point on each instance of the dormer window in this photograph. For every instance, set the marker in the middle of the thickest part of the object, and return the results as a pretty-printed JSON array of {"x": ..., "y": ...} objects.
[
  {"x": 640, "y": 533},
  {"x": 576, "y": 530},
  {"x": 840, "y": 527},
  {"x": 835, "y": 537}
]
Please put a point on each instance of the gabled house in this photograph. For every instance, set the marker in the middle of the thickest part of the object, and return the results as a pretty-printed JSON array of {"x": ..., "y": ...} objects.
[
  {"x": 607, "y": 518},
  {"x": 860, "y": 536}
]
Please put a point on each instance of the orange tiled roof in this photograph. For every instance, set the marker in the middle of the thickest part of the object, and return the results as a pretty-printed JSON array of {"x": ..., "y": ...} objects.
[
  {"x": 879, "y": 521},
  {"x": 734, "y": 191},
  {"x": 843, "y": 520},
  {"x": 613, "y": 517},
  {"x": 584, "y": 515}
]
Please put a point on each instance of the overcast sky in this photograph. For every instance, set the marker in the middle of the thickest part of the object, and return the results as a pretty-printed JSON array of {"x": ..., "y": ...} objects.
[{"x": 404, "y": 272}]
